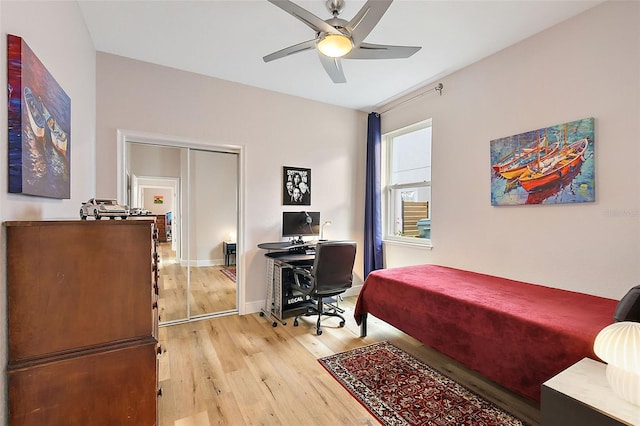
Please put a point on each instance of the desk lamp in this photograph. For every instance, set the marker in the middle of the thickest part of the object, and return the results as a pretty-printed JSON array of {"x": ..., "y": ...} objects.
[
  {"x": 328, "y": 223},
  {"x": 618, "y": 345}
]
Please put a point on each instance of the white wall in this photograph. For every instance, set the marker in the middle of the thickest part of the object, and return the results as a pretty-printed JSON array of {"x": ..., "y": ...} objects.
[
  {"x": 214, "y": 204},
  {"x": 151, "y": 160},
  {"x": 160, "y": 208},
  {"x": 68, "y": 54},
  {"x": 146, "y": 162},
  {"x": 274, "y": 130},
  {"x": 588, "y": 66}
]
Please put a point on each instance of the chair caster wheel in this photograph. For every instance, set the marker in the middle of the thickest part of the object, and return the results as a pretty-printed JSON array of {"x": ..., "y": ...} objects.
[
  {"x": 318, "y": 332},
  {"x": 261, "y": 313},
  {"x": 274, "y": 324},
  {"x": 295, "y": 323},
  {"x": 341, "y": 323}
]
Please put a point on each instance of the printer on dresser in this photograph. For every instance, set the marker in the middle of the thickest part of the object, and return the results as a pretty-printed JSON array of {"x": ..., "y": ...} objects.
[{"x": 83, "y": 322}]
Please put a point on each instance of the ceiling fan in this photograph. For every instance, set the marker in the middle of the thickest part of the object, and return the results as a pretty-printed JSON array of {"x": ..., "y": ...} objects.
[{"x": 336, "y": 38}]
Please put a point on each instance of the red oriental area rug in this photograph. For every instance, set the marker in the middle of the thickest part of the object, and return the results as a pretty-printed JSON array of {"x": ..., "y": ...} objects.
[
  {"x": 229, "y": 273},
  {"x": 398, "y": 389}
]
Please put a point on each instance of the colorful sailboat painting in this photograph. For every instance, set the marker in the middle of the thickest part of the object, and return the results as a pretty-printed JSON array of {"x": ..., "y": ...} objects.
[
  {"x": 39, "y": 120},
  {"x": 551, "y": 165}
]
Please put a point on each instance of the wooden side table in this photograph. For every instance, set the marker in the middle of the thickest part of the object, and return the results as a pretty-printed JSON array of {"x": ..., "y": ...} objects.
[
  {"x": 581, "y": 395},
  {"x": 229, "y": 249}
]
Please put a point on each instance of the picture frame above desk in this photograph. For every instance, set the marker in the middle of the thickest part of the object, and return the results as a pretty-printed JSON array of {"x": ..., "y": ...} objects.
[{"x": 296, "y": 186}]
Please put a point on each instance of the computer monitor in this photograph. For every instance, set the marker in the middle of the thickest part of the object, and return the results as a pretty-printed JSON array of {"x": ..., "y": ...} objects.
[{"x": 300, "y": 224}]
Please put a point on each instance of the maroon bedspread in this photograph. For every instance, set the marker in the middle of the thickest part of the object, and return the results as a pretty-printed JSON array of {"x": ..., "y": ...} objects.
[{"x": 514, "y": 333}]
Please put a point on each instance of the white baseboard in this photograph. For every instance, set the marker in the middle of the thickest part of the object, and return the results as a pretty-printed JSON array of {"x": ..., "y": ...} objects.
[
  {"x": 253, "y": 307},
  {"x": 202, "y": 262}
]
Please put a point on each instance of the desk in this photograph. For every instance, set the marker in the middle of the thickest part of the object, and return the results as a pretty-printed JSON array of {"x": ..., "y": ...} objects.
[
  {"x": 229, "y": 249},
  {"x": 287, "y": 246},
  {"x": 282, "y": 301},
  {"x": 293, "y": 258}
]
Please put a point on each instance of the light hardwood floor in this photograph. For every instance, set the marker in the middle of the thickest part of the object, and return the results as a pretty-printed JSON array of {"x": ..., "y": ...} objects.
[
  {"x": 239, "y": 370},
  {"x": 210, "y": 290}
]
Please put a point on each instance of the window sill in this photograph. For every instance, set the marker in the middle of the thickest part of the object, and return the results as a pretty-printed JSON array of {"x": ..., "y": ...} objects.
[{"x": 407, "y": 242}]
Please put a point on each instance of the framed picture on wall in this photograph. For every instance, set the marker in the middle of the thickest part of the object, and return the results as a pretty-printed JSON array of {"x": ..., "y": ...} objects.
[
  {"x": 296, "y": 186},
  {"x": 551, "y": 165},
  {"x": 39, "y": 121}
]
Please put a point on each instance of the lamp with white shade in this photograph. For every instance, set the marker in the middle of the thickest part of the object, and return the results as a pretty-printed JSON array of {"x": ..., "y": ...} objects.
[
  {"x": 618, "y": 345},
  {"x": 326, "y": 223}
]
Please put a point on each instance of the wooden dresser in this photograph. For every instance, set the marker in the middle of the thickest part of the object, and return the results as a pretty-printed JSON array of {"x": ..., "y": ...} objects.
[
  {"x": 83, "y": 322},
  {"x": 161, "y": 225}
]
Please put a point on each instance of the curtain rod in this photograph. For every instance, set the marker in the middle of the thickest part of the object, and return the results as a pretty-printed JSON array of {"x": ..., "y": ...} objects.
[{"x": 438, "y": 89}]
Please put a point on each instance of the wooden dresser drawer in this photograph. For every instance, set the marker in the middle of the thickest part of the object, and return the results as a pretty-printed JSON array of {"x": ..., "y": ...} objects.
[
  {"x": 114, "y": 387},
  {"x": 78, "y": 284}
]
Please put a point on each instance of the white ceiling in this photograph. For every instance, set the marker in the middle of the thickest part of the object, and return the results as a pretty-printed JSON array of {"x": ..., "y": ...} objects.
[{"x": 227, "y": 39}]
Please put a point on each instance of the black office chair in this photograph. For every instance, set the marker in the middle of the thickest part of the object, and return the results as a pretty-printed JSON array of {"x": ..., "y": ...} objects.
[
  {"x": 330, "y": 275},
  {"x": 628, "y": 308}
]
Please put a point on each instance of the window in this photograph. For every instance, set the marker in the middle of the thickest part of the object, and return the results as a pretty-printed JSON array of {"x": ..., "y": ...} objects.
[{"x": 406, "y": 183}]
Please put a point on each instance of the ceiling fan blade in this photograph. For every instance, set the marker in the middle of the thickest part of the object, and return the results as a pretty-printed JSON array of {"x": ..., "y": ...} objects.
[
  {"x": 366, "y": 19},
  {"x": 381, "y": 51},
  {"x": 296, "y": 48},
  {"x": 311, "y": 20},
  {"x": 333, "y": 67}
]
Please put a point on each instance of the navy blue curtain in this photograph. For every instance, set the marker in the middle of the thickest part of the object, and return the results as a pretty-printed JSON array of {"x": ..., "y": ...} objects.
[{"x": 372, "y": 209}]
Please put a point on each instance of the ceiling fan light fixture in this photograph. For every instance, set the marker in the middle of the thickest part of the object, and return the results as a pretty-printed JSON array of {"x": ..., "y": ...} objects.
[{"x": 335, "y": 45}]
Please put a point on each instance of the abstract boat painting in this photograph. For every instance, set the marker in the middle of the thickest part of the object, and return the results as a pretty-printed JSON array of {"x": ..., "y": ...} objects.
[
  {"x": 551, "y": 165},
  {"x": 39, "y": 120}
]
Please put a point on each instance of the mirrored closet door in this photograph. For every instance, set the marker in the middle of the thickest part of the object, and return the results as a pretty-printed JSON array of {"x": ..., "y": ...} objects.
[
  {"x": 193, "y": 195},
  {"x": 212, "y": 223}
]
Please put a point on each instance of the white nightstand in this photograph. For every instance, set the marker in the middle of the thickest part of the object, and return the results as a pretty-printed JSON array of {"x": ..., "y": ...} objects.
[{"x": 581, "y": 396}]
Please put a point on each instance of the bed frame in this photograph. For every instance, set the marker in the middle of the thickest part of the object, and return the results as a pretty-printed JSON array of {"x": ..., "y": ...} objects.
[{"x": 514, "y": 333}]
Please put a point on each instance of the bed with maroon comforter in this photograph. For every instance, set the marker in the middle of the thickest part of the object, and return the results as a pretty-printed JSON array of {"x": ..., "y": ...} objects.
[{"x": 514, "y": 333}]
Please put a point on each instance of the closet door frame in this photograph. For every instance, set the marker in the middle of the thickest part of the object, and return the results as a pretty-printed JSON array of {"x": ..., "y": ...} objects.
[{"x": 124, "y": 136}]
